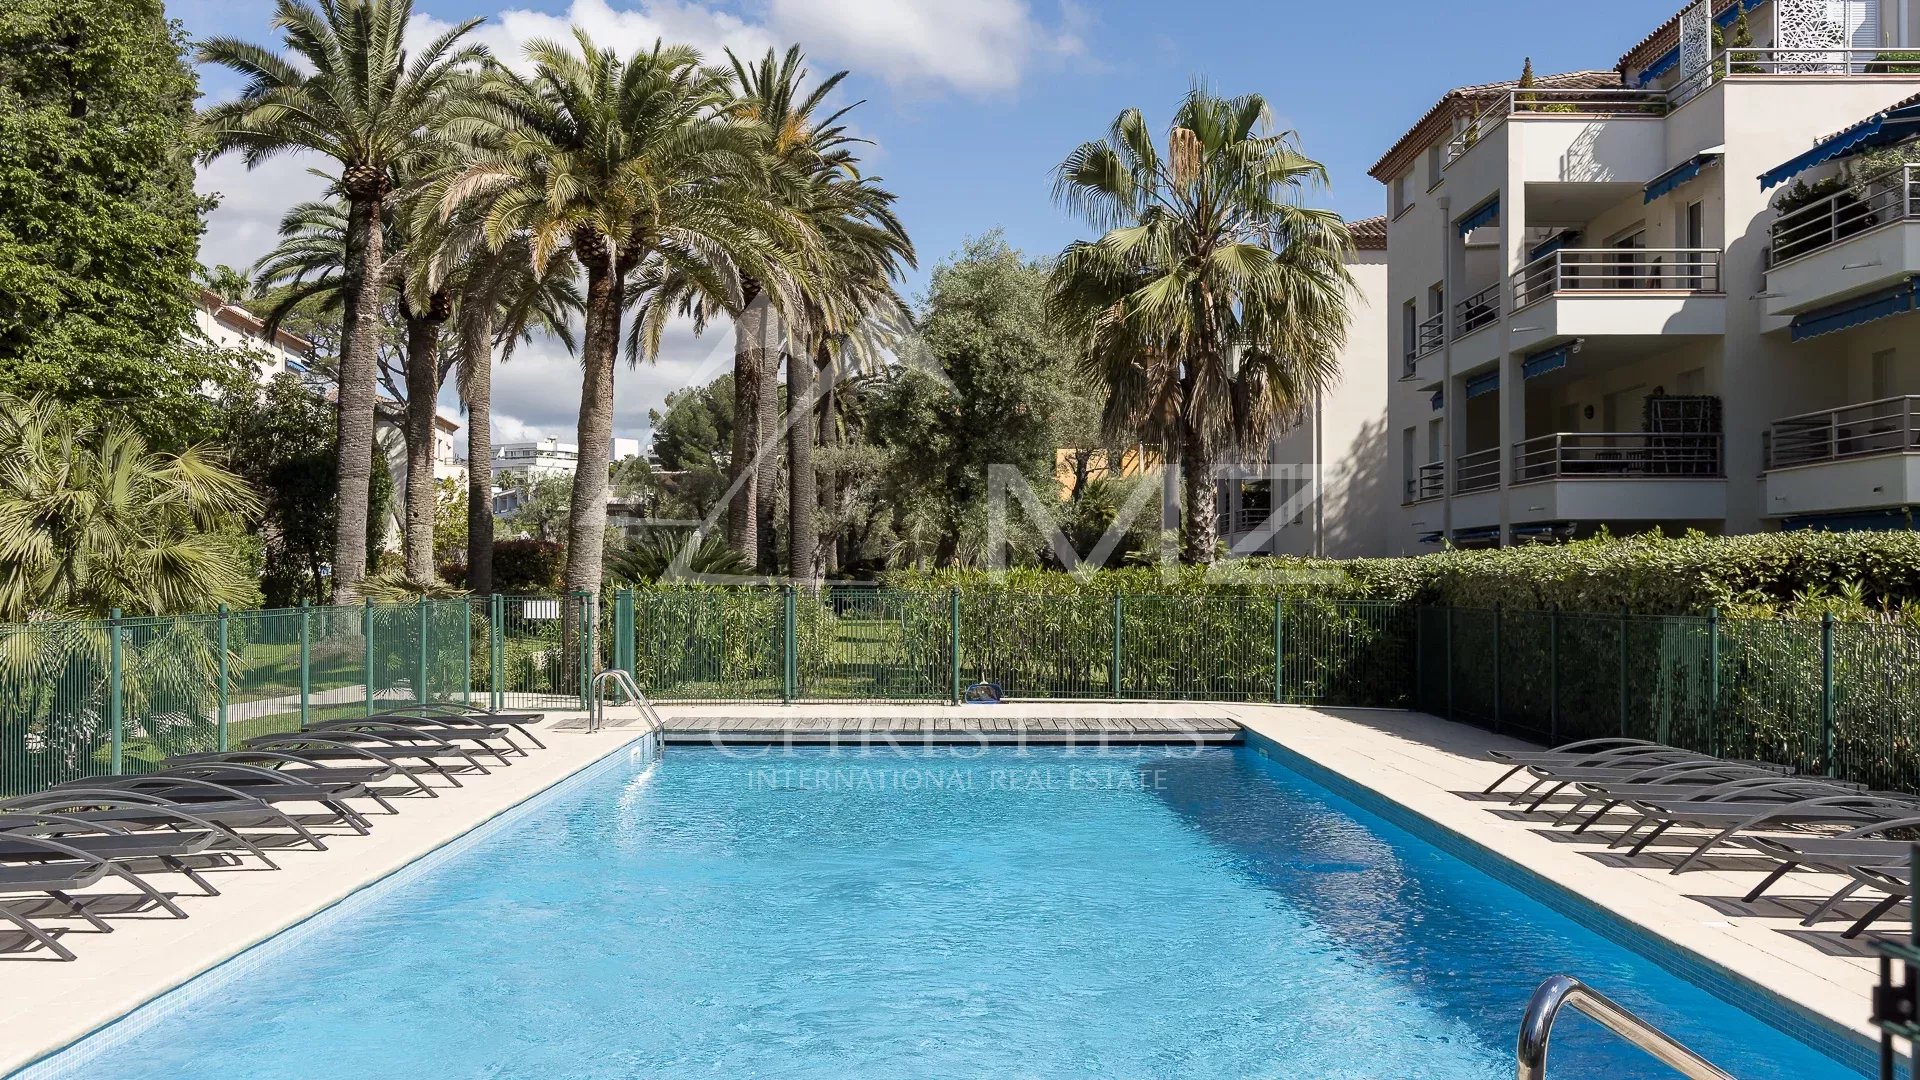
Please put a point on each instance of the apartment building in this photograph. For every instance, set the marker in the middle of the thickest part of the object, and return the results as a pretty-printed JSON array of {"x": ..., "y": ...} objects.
[
  {"x": 1326, "y": 487},
  {"x": 1600, "y": 315}
]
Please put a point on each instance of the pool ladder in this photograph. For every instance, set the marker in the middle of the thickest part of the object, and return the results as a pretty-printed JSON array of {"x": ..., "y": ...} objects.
[
  {"x": 1564, "y": 991},
  {"x": 597, "y": 703}
]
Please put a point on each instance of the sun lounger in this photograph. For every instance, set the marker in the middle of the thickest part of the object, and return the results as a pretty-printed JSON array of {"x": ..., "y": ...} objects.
[
  {"x": 333, "y": 746},
  {"x": 517, "y": 721},
  {"x": 214, "y": 782},
  {"x": 110, "y": 852},
  {"x": 137, "y": 809},
  {"x": 58, "y": 881},
  {"x": 1573, "y": 753},
  {"x": 313, "y": 770},
  {"x": 480, "y": 739},
  {"x": 1756, "y": 810}
]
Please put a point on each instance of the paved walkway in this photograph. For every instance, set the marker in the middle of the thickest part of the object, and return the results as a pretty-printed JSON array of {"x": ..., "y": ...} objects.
[{"x": 1081, "y": 724}]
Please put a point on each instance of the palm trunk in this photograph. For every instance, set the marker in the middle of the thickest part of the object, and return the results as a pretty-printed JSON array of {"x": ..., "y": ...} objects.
[
  {"x": 1198, "y": 530},
  {"x": 828, "y": 493},
  {"x": 477, "y": 329},
  {"x": 423, "y": 386},
  {"x": 359, "y": 344},
  {"x": 803, "y": 529},
  {"x": 600, "y": 347},
  {"x": 749, "y": 344},
  {"x": 766, "y": 465}
]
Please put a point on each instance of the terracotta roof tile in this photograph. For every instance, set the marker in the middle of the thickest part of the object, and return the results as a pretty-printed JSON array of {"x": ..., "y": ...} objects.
[
  {"x": 1369, "y": 234},
  {"x": 1476, "y": 97}
]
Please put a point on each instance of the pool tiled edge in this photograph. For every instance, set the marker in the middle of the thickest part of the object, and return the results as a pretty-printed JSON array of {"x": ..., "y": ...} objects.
[{"x": 1850, "y": 1047}]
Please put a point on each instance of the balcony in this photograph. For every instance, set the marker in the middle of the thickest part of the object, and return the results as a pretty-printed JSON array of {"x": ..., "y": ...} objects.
[
  {"x": 1478, "y": 471},
  {"x": 1583, "y": 104},
  {"x": 1428, "y": 338},
  {"x": 1855, "y": 457},
  {"x": 1858, "y": 239},
  {"x": 1636, "y": 292},
  {"x": 1619, "y": 476},
  {"x": 1430, "y": 482}
]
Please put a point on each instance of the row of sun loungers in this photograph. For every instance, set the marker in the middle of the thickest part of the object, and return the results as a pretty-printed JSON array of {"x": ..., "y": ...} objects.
[
  {"x": 274, "y": 793},
  {"x": 1647, "y": 792}
]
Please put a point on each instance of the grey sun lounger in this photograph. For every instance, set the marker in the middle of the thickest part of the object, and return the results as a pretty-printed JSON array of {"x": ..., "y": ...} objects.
[
  {"x": 1690, "y": 784},
  {"x": 108, "y": 852},
  {"x": 1894, "y": 880},
  {"x": 139, "y": 809},
  {"x": 518, "y": 721},
  {"x": 478, "y": 740},
  {"x": 1588, "y": 780},
  {"x": 314, "y": 770},
  {"x": 1754, "y": 811},
  {"x": 58, "y": 882},
  {"x": 193, "y": 784},
  {"x": 335, "y": 746},
  {"x": 1834, "y": 855},
  {"x": 1595, "y": 751}
]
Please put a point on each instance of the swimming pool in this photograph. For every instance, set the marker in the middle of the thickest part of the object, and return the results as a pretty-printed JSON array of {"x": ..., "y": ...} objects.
[{"x": 973, "y": 913}]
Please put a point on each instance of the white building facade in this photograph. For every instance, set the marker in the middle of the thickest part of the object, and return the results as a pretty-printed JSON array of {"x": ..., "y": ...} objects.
[{"x": 1594, "y": 322}]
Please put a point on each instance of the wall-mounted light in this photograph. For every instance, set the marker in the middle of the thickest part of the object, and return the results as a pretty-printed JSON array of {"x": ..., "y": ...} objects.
[{"x": 1860, "y": 266}]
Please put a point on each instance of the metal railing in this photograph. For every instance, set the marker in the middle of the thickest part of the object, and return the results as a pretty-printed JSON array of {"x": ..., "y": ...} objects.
[
  {"x": 1692, "y": 270},
  {"x": 1476, "y": 311},
  {"x": 1428, "y": 482},
  {"x": 1565, "y": 992},
  {"x": 1827, "y": 61},
  {"x": 597, "y": 703},
  {"x": 1430, "y": 335},
  {"x": 1478, "y": 471},
  {"x": 1887, "y": 426},
  {"x": 1616, "y": 455},
  {"x": 1245, "y": 520},
  {"x": 1543, "y": 101},
  {"x": 1882, "y": 199}
]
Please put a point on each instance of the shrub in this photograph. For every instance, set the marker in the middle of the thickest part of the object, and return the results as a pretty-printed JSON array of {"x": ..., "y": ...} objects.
[{"x": 528, "y": 566}]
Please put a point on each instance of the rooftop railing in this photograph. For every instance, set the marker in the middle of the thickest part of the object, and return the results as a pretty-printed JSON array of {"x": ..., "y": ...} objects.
[
  {"x": 1476, "y": 311},
  {"x": 1882, "y": 199},
  {"x": 1616, "y": 456},
  {"x": 1887, "y": 426},
  {"x": 1695, "y": 270},
  {"x": 1595, "y": 101}
]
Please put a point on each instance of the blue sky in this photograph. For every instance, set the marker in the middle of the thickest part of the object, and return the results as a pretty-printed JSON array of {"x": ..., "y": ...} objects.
[{"x": 972, "y": 102}]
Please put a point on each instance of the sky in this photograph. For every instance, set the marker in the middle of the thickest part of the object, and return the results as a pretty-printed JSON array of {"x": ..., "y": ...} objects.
[{"x": 970, "y": 104}]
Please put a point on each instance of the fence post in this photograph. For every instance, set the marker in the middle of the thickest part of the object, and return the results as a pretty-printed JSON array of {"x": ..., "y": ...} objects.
[
  {"x": 1449, "y": 637},
  {"x": 466, "y": 640},
  {"x": 1553, "y": 675},
  {"x": 1623, "y": 671},
  {"x": 1279, "y": 649},
  {"x": 1713, "y": 681},
  {"x": 496, "y": 642},
  {"x": 220, "y": 700},
  {"x": 1117, "y": 613},
  {"x": 1419, "y": 695},
  {"x": 366, "y": 636},
  {"x": 953, "y": 619},
  {"x": 116, "y": 694},
  {"x": 787, "y": 664},
  {"x": 1497, "y": 625},
  {"x": 1826, "y": 693},
  {"x": 420, "y": 662},
  {"x": 306, "y": 662}
]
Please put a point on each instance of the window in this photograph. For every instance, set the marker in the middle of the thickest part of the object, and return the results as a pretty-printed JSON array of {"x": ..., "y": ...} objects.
[
  {"x": 1401, "y": 200},
  {"x": 1436, "y": 164},
  {"x": 1436, "y": 431},
  {"x": 1693, "y": 234},
  {"x": 1882, "y": 374},
  {"x": 1410, "y": 329},
  {"x": 1409, "y": 469}
]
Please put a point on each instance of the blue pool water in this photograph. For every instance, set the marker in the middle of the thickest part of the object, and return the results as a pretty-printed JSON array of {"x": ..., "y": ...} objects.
[{"x": 1161, "y": 914}]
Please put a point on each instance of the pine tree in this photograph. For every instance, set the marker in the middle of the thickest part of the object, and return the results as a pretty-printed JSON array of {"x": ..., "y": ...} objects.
[{"x": 1523, "y": 100}]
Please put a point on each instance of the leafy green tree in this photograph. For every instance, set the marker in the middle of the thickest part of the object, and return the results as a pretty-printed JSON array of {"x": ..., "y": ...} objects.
[
  {"x": 92, "y": 519},
  {"x": 693, "y": 441},
  {"x": 281, "y": 440},
  {"x": 99, "y": 223},
  {"x": 349, "y": 93},
  {"x": 627, "y": 165},
  {"x": 1215, "y": 301},
  {"x": 983, "y": 394},
  {"x": 449, "y": 519}
]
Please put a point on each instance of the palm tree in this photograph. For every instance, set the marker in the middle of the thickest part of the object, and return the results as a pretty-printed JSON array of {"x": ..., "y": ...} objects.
[
  {"x": 92, "y": 519},
  {"x": 628, "y": 166},
  {"x": 1214, "y": 303},
  {"x": 349, "y": 93},
  {"x": 799, "y": 141}
]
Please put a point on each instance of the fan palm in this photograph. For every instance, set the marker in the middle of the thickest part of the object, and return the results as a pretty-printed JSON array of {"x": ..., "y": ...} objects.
[
  {"x": 1214, "y": 303},
  {"x": 628, "y": 166},
  {"x": 91, "y": 519},
  {"x": 348, "y": 92}
]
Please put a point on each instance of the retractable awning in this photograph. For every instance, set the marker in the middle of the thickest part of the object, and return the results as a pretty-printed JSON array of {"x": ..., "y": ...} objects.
[
  {"x": 1476, "y": 535},
  {"x": 1542, "y": 362},
  {"x": 1439, "y": 399},
  {"x": 1487, "y": 213},
  {"x": 1430, "y": 537},
  {"x": 1898, "y": 124},
  {"x": 1554, "y": 243},
  {"x": 1482, "y": 385},
  {"x": 1671, "y": 58},
  {"x": 1855, "y": 312},
  {"x": 1681, "y": 174}
]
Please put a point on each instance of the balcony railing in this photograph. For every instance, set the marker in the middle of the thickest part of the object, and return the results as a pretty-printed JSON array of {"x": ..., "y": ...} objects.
[
  {"x": 1617, "y": 456},
  {"x": 1829, "y": 61},
  {"x": 1478, "y": 471},
  {"x": 1598, "y": 101},
  {"x": 1883, "y": 199},
  {"x": 1247, "y": 519},
  {"x": 1692, "y": 270},
  {"x": 1476, "y": 311},
  {"x": 1430, "y": 335},
  {"x": 1429, "y": 482},
  {"x": 1888, "y": 426}
]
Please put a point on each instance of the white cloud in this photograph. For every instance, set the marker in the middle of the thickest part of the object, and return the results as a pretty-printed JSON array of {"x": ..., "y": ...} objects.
[
  {"x": 981, "y": 46},
  {"x": 624, "y": 29},
  {"x": 246, "y": 224}
]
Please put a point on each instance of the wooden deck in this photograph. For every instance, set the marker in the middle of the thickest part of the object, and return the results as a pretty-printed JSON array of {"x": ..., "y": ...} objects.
[{"x": 972, "y": 726}]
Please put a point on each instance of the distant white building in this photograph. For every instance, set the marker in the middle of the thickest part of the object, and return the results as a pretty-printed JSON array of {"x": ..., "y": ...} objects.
[
  {"x": 550, "y": 457},
  {"x": 236, "y": 329}
]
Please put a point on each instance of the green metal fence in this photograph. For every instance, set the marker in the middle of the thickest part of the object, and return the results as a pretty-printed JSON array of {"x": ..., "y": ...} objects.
[{"x": 1829, "y": 698}]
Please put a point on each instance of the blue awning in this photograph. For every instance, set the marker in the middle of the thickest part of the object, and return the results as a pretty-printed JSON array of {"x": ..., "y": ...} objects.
[
  {"x": 1895, "y": 519},
  {"x": 1430, "y": 537},
  {"x": 1542, "y": 362},
  {"x": 1481, "y": 385},
  {"x": 1881, "y": 129},
  {"x": 1671, "y": 58},
  {"x": 1553, "y": 243},
  {"x": 1439, "y": 399},
  {"x": 1487, "y": 213},
  {"x": 1679, "y": 174},
  {"x": 1860, "y": 310},
  {"x": 1476, "y": 535}
]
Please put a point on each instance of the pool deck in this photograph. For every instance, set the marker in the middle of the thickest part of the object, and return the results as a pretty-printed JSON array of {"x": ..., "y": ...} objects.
[{"x": 1412, "y": 768}]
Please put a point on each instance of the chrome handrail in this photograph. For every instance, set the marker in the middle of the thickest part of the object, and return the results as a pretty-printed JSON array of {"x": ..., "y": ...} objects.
[
  {"x": 1693, "y": 270},
  {"x": 1866, "y": 429},
  {"x": 1564, "y": 991},
  {"x": 597, "y": 704}
]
